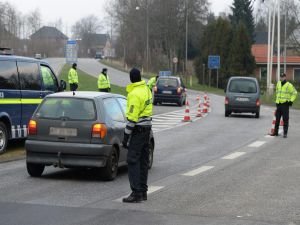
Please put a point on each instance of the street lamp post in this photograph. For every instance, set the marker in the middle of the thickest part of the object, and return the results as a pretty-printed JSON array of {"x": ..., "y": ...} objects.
[{"x": 147, "y": 34}]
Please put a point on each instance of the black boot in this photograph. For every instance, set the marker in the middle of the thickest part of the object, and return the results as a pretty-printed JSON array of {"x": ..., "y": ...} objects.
[
  {"x": 134, "y": 197},
  {"x": 144, "y": 196}
]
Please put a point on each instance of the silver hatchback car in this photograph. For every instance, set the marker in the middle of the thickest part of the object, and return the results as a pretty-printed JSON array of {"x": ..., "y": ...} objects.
[
  {"x": 242, "y": 95},
  {"x": 81, "y": 130}
]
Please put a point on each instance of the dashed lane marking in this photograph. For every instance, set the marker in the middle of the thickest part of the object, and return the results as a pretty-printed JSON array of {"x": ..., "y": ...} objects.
[
  {"x": 234, "y": 155},
  {"x": 198, "y": 171},
  {"x": 257, "y": 144},
  {"x": 151, "y": 189}
]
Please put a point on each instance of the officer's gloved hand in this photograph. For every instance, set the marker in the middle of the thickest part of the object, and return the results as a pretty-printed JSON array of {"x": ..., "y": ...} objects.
[{"x": 125, "y": 140}]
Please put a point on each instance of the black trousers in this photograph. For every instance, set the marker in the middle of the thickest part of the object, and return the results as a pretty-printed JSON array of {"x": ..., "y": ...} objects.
[
  {"x": 104, "y": 90},
  {"x": 282, "y": 111},
  {"x": 138, "y": 159},
  {"x": 73, "y": 87}
]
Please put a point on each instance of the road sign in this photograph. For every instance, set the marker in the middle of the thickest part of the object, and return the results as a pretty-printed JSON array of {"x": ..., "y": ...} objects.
[
  {"x": 175, "y": 60},
  {"x": 165, "y": 73},
  {"x": 71, "y": 51},
  {"x": 213, "y": 62}
]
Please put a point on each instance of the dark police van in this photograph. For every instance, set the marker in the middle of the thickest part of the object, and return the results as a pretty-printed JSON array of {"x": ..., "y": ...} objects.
[{"x": 24, "y": 82}]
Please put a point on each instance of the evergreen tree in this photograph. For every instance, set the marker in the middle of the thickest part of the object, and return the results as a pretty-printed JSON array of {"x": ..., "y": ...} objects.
[
  {"x": 241, "y": 60},
  {"x": 242, "y": 11}
]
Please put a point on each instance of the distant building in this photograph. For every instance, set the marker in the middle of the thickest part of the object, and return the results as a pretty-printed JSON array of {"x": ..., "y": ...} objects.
[
  {"x": 260, "y": 52},
  {"x": 93, "y": 43},
  {"x": 48, "y": 41}
]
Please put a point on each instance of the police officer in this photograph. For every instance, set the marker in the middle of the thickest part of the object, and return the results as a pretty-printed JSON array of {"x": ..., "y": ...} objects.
[
  {"x": 151, "y": 83},
  {"x": 73, "y": 77},
  {"x": 103, "y": 81},
  {"x": 137, "y": 136},
  {"x": 285, "y": 96}
]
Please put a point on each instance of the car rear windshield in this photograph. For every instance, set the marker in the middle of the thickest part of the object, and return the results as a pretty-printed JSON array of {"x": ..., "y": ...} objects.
[
  {"x": 67, "y": 108},
  {"x": 167, "y": 82},
  {"x": 242, "y": 86}
]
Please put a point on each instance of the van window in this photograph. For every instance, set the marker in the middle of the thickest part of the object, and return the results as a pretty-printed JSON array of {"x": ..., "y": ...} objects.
[
  {"x": 49, "y": 80},
  {"x": 242, "y": 86},
  {"x": 29, "y": 76},
  {"x": 8, "y": 75}
]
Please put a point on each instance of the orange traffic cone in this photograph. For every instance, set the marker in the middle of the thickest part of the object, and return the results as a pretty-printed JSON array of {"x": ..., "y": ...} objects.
[
  {"x": 274, "y": 122},
  {"x": 199, "y": 114},
  {"x": 187, "y": 117},
  {"x": 204, "y": 110},
  {"x": 198, "y": 98}
]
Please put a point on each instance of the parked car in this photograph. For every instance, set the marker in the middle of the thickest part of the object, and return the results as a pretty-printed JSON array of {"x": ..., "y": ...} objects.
[
  {"x": 81, "y": 130},
  {"x": 24, "y": 82},
  {"x": 242, "y": 95},
  {"x": 169, "y": 89}
]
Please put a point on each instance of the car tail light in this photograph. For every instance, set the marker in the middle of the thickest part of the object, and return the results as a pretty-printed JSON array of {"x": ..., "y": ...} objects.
[
  {"x": 155, "y": 89},
  {"x": 257, "y": 102},
  {"x": 179, "y": 90},
  {"x": 99, "y": 130},
  {"x": 226, "y": 101},
  {"x": 32, "y": 130}
]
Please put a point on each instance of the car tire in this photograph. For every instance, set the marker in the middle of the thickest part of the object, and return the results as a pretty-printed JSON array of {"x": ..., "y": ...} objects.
[
  {"x": 3, "y": 137},
  {"x": 151, "y": 151},
  {"x": 154, "y": 102},
  {"x": 35, "y": 170},
  {"x": 227, "y": 113},
  {"x": 110, "y": 171},
  {"x": 257, "y": 115}
]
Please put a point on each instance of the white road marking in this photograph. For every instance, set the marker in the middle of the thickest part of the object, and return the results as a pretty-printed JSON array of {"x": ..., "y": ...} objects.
[
  {"x": 256, "y": 144},
  {"x": 151, "y": 189},
  {"x": 198, "y": 171},
  {"x": 234, "y": 155}
]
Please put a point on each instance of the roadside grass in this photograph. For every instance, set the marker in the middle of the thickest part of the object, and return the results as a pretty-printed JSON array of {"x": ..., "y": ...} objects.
[{"x": 88, "y": 82}]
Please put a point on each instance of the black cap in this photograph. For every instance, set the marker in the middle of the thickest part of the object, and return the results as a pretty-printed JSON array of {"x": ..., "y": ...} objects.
[
  {"x": 283, "y": 75},
  {"x": 74, "y": 65},
  {"x": 104, "y": 69},
  {"x": 135, "y": 75}
]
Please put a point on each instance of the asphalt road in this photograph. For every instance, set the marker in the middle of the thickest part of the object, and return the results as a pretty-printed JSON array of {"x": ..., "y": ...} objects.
[{"x": 212, "y": 171}]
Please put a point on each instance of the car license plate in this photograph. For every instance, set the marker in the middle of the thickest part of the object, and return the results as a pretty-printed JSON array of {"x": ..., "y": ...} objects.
[
  {"x": 70, "y": 132},
  {"x": 242, "y": 99},
  {"x": 167, "y": 92}
]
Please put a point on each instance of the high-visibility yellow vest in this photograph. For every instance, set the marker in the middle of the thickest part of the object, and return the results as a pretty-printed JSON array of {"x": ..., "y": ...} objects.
[
  {"x": 285, "y": 93},
  {"x": 151, "y": 82},
  {"x": 139, "y": 101},
  {"x": 72, "y": 76},
  {"x": 103, "y": 81}
]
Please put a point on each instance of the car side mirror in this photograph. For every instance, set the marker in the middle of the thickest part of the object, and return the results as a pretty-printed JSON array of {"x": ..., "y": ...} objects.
[{"x": 63, "y": 85}]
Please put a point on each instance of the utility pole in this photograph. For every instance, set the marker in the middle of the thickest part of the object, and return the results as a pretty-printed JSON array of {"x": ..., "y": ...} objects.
[
  {"x": 186, "y": 35},
  {"x": 147, "y": 35}
]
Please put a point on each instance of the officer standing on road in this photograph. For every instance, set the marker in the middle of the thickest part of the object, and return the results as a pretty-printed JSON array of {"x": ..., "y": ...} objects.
[
  {"x": 137, "y": 136},
  {"x": 103, "y": 81},
  {"x": 73, "y": 77},
  {"x": 151, "y": 83},
  {"x": 285, "y": 96}
]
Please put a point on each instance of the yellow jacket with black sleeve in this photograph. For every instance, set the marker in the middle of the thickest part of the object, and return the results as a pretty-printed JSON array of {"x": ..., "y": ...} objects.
[
  {"x": 103, "y": 81},
  {"x": 285, "y": 93},
  {"x": 72, "y": 76},
  {"x": 139, "y": 106}
]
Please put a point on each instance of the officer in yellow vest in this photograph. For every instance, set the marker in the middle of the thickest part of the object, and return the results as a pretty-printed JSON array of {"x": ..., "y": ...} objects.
[
  {"x": 103, "y": 81},
  {"x": 73, "y": 77},
  {"x": 137, "y": 136},
  {"x": 151, "y": 83},
  {"x": 285, "y": 96}
]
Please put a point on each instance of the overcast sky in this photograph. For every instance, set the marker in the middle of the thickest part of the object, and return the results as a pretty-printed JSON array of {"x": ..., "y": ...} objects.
[{"x": 72, "y": 10}]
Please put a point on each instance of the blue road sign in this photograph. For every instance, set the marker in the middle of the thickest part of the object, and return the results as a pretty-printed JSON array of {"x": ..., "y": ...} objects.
[
  {"x": 213, "y": 62},
  {"x": 165, "y": 73}
]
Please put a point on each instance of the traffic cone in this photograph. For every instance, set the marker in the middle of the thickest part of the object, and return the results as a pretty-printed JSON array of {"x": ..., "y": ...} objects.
[
  {"x": 198, "y": 98},
  {"x": 207, "y": 101},
  {"x": 199, "y": 114},
  {"x": 204, "y": 110},
  {"x": 274, "y": 122},
  {"x": 187, "y": 117}
]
